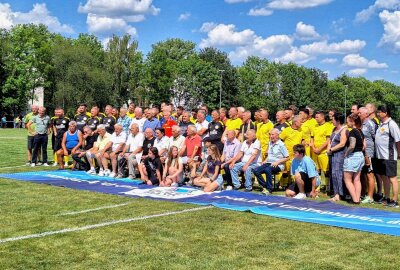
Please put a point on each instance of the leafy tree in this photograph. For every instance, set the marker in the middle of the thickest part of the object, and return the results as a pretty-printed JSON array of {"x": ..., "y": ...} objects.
[
  {"x": 220, "y": 61},
  {"x": 162, "y": 63}
]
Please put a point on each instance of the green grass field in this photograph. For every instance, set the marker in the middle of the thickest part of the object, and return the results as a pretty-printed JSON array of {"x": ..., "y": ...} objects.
[{"x": 206, "y": 239}]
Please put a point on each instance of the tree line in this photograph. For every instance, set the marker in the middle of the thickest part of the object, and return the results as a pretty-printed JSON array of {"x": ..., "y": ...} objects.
[{"x": 75, "y": 70}]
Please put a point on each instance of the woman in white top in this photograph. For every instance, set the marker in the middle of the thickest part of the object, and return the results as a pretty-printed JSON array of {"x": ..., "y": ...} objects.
[
  {"x": 173, "y": 169},
  {"x": 161, "y": 143}
]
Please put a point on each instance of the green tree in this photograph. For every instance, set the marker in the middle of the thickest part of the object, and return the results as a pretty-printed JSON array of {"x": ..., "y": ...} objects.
[
  {"x": 220, "y": 61},
  {"x": 27, "y": 64},
  {"x": 162, "y": 63}
]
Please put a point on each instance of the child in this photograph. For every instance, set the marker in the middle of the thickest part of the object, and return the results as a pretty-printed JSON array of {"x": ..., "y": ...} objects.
[
  {"x": 152, "y": 168},
  {"x": 173, "y": 168},
  {"x": 210, "y": 178}
]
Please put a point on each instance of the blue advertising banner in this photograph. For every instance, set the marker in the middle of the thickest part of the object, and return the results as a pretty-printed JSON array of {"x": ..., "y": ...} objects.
[{"x": 326, "y": 213}]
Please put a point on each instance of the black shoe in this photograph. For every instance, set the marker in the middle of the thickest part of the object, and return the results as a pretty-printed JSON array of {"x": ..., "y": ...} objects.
[
  {"x": 248, "y": 190},
  {"x": 393, "y": 204},
  {"x": 382, "y": 200}
]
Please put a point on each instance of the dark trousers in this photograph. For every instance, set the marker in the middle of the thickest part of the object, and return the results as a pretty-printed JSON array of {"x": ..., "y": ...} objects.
[
  {"x": 40, "y": 141},
  {"x": 227, "y": 176},
  {"x": 269, "y": 171},
  {"x": 82, "y": 161}
]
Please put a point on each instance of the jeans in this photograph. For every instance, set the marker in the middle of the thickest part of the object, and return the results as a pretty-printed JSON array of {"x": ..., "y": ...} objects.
[
  {"x": 247, "y": 175},
  {"x": 269, "y": 171},
  {"x": 40, "y": 141}
]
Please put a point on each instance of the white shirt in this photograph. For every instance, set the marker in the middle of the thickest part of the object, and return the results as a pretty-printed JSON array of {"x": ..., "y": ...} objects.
[
  {"x": 117, "y": 140},
  {"x": 248, "y": 151},
  {"x": 178, "y": 142},
  {"x": 139, "y": 122},
  {"x": 135, "y": 141},
  {"x": 204, "y": 125},
  {"x": 161, "y": 144}
]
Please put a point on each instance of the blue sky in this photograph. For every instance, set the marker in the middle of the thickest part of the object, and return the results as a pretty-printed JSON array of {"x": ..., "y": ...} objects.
[{"x": 356, "y": 37}]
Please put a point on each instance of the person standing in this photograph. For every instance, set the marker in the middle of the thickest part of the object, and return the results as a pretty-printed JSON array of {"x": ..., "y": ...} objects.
[
  {"x": 31, "y": 131},
  {"x": 387, "y": 145},
  {"x": 42, "y": 126}
]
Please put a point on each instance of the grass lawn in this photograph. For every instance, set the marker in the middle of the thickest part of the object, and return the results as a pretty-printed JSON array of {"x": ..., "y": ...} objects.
[{"x": 206, "y": 239}]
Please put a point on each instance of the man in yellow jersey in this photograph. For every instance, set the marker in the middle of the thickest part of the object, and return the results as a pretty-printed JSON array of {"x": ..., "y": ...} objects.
[
  {"x": 263, "y": 132},
  {"x": 291, "y": 136},
  {"x": 320, "y": 137},
  {"x": 289, "y": 114},
  {"x": 308, "y": 125},
  {"x": 233, "y": 123},
  {"x": 131, "y": 110}
]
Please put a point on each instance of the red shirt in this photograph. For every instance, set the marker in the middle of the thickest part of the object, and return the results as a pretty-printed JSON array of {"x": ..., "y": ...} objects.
[
  {"x": 191, "y": 143},
  {"x": 168, "y": 127}
]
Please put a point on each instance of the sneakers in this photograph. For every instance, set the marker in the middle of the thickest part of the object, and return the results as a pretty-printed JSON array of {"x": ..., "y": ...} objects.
[
  {"x": 28, "y": 163},
  {"x": 131, "y": 177},
  {"x": 45, "y": 164},
  {"x": 39, "y": 163},
  {"x": 174, "y": 185},
  {"x": 107, "y": 172},
  {"x": 101, "y": 172},
  {"x": 66, "y": 164},
  {"x": 33, "y": 164},
  {"x": 367, "y": 199},
  {"x": 393, "y": 204},
  {"x": 229, "y": 188},
  {"x": 265, "y": 191},
  {"x": 91, "y": 171},
  {"x": 189, "y": 183},
  {"x": 112, "y": 174},
  {"x": 55, "y": 164},
  {"x": 119, "y": 176},
  {"x": 300, "y": 196}
]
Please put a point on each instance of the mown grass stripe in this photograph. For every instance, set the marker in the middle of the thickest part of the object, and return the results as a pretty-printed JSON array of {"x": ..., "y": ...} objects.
[{"x": 99, "y": 225}]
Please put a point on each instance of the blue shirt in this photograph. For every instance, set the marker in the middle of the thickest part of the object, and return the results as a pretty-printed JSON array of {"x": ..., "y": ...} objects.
[
  {"x": 125, "y": 122},
  {"x": 305, "y": 165},
  {"x": 153, "y": 124},
  {"x": 277, "y": 151}
]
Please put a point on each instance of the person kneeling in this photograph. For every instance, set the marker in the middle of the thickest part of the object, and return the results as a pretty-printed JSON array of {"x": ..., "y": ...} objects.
[
  {"x": 305, "y": 174},
  {"x": 173, "y": 169},
  {"x": 151, "y": 169},
  {"x": 213, "y": 179}
]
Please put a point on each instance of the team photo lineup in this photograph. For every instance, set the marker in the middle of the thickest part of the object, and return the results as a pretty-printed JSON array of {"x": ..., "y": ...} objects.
[{"x": 304, "y": 153}]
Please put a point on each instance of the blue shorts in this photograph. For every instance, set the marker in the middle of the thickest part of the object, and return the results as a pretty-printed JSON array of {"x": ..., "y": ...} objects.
[
  {"x": 354, "y": 162},
  {"x": 219, "y": 180}
]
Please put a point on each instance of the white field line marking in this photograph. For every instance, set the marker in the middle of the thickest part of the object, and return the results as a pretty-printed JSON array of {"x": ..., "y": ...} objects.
[
  {"x": 13, "y": 138},
  {"x": 104, "y": 224},
  {"x": 94, "y": 209},
  {"x": 14, "y": 167}
]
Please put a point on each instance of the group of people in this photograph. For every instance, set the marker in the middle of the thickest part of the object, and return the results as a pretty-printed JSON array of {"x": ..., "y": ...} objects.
[{"x": 304, "y": 152}]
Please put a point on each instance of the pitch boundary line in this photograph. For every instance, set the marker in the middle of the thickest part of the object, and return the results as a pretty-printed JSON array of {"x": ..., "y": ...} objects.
[
  {"x": 94, "y": 209},
  {"x": 99, "y": 225}
]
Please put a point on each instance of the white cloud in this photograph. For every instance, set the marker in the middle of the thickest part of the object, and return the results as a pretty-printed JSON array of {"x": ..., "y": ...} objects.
[
  {"x": 225, "y": 35},
  {"x": 296, "y": 4},
  {"x": 118, "y": 8},
  {"x": 339, "y": 25},
  {"x": 323, "y": 47},
  {"x": 184, "y": 16},
  {"x": 108, "y": 26},
  {"x": 391, "y": 25},
  {"x": 366, "y": 14},
  {"x": 329, "y": 61},
  {"x": 355, "y": 60},
  {"x": 260, "y": 12},
  {"x": 295, "y": 56},
  {"x": 38, "y": 15},
  {"x": 357, "y": 71},
  {"x": 113, "y": 17},
  {"x": 306, "y": 32}
]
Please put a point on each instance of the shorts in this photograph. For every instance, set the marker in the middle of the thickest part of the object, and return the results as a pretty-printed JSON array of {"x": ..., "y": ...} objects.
[
  {"x": 30, "y": 142},
  {"x": 386, "y": 167},
  {"x": 57, "y": 144},
  {"x": 307, "y": 184},
  {"x": 219, "y": 180},
  {"x": 354, "y": 162},
  {"x": 322, "y": 162},
  {"x": 196, "y": 158}
]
